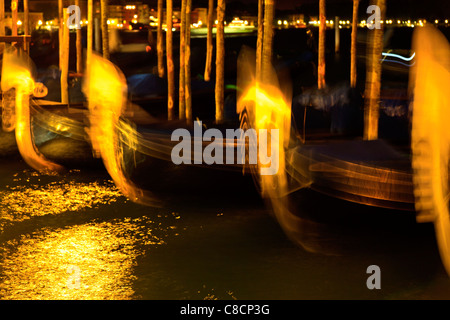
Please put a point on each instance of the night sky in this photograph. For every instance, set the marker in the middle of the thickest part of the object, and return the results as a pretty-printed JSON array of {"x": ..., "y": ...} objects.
[
  {"x": 409, "y": 9},
  {"x": 429, "y": 9}
]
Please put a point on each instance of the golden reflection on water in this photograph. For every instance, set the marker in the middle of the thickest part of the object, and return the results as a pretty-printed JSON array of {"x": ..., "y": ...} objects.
[
  {"x": 93, "y": 259},
  {"x": 42, "y": 265},
  {"x": 25, "y": 201}
]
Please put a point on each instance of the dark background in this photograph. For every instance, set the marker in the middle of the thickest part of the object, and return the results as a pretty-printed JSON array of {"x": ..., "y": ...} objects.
[{"x": 407, "y": 9}]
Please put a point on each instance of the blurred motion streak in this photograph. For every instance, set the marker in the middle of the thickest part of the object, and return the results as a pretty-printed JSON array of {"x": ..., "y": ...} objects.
[
  {"x": 17, "y": 73},
  {"x": 268, "y": 106},
  {"x": 430, "y": 141},
  {"x": 106, "y": 89}
]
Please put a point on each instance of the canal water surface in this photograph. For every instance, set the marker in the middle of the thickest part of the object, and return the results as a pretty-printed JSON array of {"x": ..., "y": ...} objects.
[{"x": 74, "y": 236}]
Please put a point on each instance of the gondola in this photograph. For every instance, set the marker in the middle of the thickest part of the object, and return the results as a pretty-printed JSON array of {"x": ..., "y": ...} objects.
[
  {"x": 61, "y": 137},
  {"x": 410, "y": 176}
]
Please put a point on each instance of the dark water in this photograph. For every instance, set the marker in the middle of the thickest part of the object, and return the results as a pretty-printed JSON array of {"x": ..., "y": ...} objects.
[{"x": 189, "y": 249}]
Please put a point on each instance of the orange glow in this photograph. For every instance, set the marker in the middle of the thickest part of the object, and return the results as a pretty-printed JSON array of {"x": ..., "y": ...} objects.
[
  {"x": 267, "y": 107},
  {"x": 271, "y": 107},
  {"x": 430, "y": 138},
  {"x": 106, "y": 90},
  {"x": 271, "y": 111},
  {"x": 16, "y": 73}
]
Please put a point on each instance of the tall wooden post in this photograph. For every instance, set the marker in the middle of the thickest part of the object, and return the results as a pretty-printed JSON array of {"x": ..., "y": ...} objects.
[
  {"x": 187, "y": 63},
  {"x": 170, "y": 65},
  {"x": 159, "y": 43},
  {"x": 14, "y": 4},
  {"x": 26, "y": 24},
  {"x": 220, "y": 61},
  {"x": 79, "y": 46},
  {"x": 105, "y": 35},
  {"x": 65, "y": 60},
  {"x": 373, "y": 77},
  {"x": 2, "y": 23},
  {"x": 97, "y": 43},
  {"x": 181, "y": 94},
  {"x": 266, "y": 59},
  {"x": 337, "y": 38},
  {"x": 353, "y": 44},
  {"x": 60, "y": 30},
  {"x": 259, "y": 40},
  {"x": 90, "y": 29},
  {"x": 209, "y": 40},
  {"x": 321, "y": 60},
  {"x": 6, "y": 125}
]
